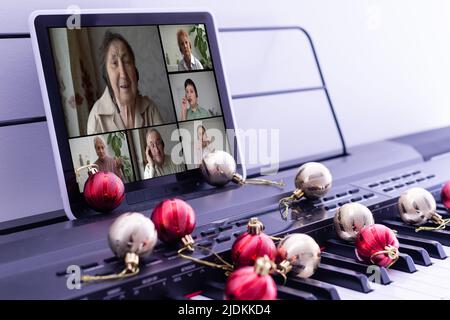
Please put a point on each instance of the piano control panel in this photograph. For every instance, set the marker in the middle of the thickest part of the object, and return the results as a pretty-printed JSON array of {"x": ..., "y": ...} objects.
[{"x": 419, "y": 273}]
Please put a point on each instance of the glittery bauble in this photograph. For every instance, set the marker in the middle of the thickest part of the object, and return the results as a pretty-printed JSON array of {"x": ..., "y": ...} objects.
[
  {"x": 445, "y": 195},
  {"x": 350, "y": 219},
  {"x": 104, "y": 191},
  {"x": 251, "y": 245},
  {"x": 301, "y": 252},
  {"x": 252, "y": 283},
  {"x": 416, "y": 206},
  {"x": 377, "y": 244},
  {"x": 314, "y": 179},
  {"x": 218, "y": 168},
  {"x": 132, "y": 232},
  {"x": 173, "y": 219}
]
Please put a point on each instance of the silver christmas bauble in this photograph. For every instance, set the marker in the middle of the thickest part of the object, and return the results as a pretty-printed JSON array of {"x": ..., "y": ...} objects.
[
  {"x": 416, "y": 206},
  {"x": 302, "y": 252},
  {"x": 132, "y": 232},
  {"x": 314, "y": 179},
  {"x": 218, "y": 168},
  {"x": 350, "y": 219}
]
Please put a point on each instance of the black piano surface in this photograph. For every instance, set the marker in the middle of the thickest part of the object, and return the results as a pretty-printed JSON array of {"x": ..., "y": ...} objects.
[{"x": 33, "y": 262}]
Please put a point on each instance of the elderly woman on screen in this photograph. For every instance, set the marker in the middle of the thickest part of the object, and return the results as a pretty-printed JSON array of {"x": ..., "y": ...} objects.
[
  {"x": 189, "y": 62},
  {"x": 121, "y": 106}
]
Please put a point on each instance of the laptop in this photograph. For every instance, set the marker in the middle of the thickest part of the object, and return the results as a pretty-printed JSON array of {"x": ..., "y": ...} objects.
[{"x": 142, "y": 94}]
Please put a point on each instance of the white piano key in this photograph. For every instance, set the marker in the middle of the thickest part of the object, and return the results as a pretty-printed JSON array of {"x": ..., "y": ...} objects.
[
  {"x": 382, "y": 292},
  {"x": 423, "y": 284},
  {"x": 438, "y": 276},
  {"x": 447, "y": 250},
  {"x": 393, "y": 292},
  {"x": 441, "y": 263},
  {"x": 200, "y": 297},
  {"x": 347, "y": 294}
]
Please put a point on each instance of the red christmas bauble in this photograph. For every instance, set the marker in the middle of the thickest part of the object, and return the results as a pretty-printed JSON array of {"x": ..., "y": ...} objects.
[
  {"x": 377, "y": 244},
  {"x": 247, "y": 284},
  {"x": 173, "y": 219},
  {"x": 251, "y": 245},
  {"x": 445, "y": 195},
  {"x": 104, "y": 191}
]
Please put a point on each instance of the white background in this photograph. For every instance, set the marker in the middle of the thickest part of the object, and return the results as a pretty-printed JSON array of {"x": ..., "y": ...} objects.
[{"x": 386, "y": 64}]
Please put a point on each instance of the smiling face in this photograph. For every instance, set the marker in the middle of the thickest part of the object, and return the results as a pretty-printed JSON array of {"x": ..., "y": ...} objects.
[
  {"x": 156, "y": 145},
  {"x": 100, "y": 149},
  {"x": 190, "y": 95},
  {"x": 121, "y": 73},
  {"x": 185, "y": 46}
]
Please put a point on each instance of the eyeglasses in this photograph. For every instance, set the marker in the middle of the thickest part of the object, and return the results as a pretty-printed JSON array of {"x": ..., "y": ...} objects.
[{"x": 158, "y": 143}]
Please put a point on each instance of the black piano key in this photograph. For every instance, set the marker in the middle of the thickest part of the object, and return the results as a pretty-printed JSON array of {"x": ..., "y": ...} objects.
[
  {"x": 419, "y": 255},
  {"x": 321, "y": 290},
  {"x": 214, "y": 290},
  {"x": 339, "y": 248},
  {"x": 434, "y": 248},
  {"x": 352, "y": 264},
  {"x": 442, "y": 236},
  {"x": 287, "y": 293},
  {"x": 341, "y": 277},
  {"x": 404, "y": 263}
]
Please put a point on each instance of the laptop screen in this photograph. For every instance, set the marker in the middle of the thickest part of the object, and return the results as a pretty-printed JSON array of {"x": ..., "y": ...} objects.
[
  {"x": 141, "y": 95},
  {"x": 139, "y": 101}
]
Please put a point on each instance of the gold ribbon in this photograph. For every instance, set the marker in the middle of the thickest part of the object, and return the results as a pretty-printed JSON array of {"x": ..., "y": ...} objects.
[
  {"x": 391, "y": 251},
  {"x": 442, "y": 223},
  {"x": 237, "y": 178},
  {"x": 224, "y": 266},
  {"x": 286, "y": 202},
  {"x": 131, "y": 269}
]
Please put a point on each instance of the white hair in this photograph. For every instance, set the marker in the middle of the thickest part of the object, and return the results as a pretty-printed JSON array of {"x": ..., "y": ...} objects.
[{"x": 98, "y": 139}]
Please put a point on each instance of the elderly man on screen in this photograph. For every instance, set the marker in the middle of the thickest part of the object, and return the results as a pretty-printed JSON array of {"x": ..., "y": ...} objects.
[
  {"x": 158, "y": 163},
  {"x": 189, "y": 62},
  {"x": 104, "y": 161}
]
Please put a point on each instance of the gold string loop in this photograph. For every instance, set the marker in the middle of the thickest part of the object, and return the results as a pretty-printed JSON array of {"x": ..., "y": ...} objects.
[
  {"x": 391, "y": 251},
  {"x": 237, "y": 178},
  {"x": 131, "y": 269},
  {"x": 441, "y": 224},
  {"x": 286, "y": 202},
  {"x": 224, "y": 266}
]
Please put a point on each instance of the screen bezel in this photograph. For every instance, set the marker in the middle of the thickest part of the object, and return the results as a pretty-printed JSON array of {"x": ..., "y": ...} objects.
[{"x": 73, "y": 200}]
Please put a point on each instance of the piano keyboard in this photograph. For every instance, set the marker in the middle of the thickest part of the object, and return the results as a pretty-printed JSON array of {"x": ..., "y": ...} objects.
[{"x": 421, "y": 273}]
